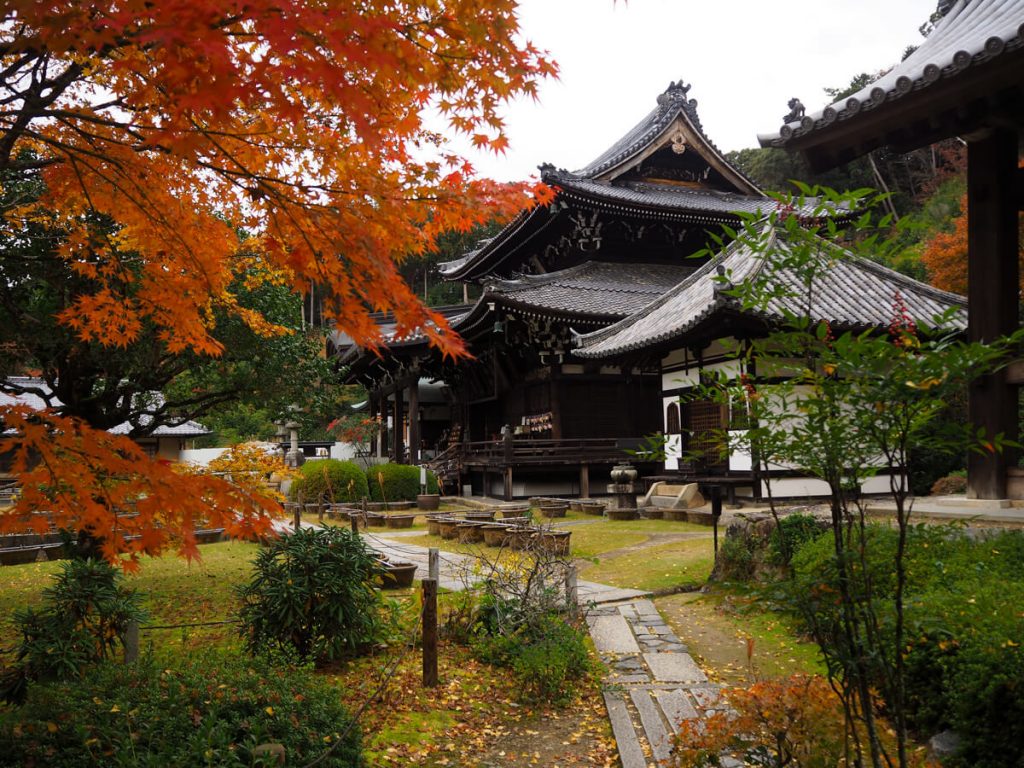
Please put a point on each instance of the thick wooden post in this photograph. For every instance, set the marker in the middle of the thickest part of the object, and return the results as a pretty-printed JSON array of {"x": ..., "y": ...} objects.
[
  {"x": 434, "y": 564},
  {"x": 508, "y": 457},
  {"x": 992, "y": 294},
  {"x": 584, "y": 481},
  {"x": 398, "y": 427},
  {"x": 414, "y": 421},
  {"x": 716, "y": 513},
  {"x": 429, "y": 633}
]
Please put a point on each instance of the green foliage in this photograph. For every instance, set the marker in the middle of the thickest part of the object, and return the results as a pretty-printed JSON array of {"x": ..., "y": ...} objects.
[
  {"x": 792, "y": 532},
  {"x": 312, "y": 593},
  {"x": 210, "y": 710},
  {"x": 736, "y": 558},
  {"x": 85, "y": 615},
  {"x": 330, "y": 481},
  {"x": 963, "y": 654},
  {"x": 547, "y": 656},
  {"x": 397, "y": 482}
]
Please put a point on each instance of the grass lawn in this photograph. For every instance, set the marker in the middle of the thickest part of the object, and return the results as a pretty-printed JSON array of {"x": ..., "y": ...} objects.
[
  {"x": 716, "y": 626},
  {"x": 174, "y": 592},
  {"x": 472, "y": 718},
  {"x": 657, "y": 567}
]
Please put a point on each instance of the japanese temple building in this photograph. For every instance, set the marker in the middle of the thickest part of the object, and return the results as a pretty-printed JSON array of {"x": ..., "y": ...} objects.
[
  {"x": 615, "y": 238},
  {"x": 592, "y": 307},
  {"x": 967, "y": 80}
]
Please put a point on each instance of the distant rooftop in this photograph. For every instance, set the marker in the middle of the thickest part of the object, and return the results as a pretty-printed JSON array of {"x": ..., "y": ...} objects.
[{"x": 186, "y": 428}]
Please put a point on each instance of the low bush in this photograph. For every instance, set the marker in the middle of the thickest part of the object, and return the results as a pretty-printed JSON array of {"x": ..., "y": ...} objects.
[
  {"x": 329, "y": 481},
  {"x": 548, "y": 657},
  {"x": 792, "y": 533},
  {"x": 797, "y": 722},
  {"x": 963, "y": 654},
  {"x": 397, "y": 482},
  {"x": 313, "y": 593},
  {"x": 84, "y": 617},
  {"x": 954, "y": 483},
  {"x": 736, "y": 558},
  {"x": 211, "y": 710}
]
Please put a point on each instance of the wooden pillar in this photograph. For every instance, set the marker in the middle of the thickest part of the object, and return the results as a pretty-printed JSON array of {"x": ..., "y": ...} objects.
[
  {"x": 375, "y": 440},
  {"x": 398, "y": 427},
  {"x": 584, "y": 481},
  {"x": 992, "y": 294},
  {"x": 414, "y": 421},
  {"x": 508, "y": 456},
  {"x": 556, "y": 401}
]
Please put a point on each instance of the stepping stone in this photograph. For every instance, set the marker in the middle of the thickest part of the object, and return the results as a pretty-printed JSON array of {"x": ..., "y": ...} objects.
[
  {"x": 674, "y": 668},
  {"x": 612, "y": 635},
  {"x": 628, "y": 611},
  {"x": 654, "y": 726},
  {"x": 676, "y": 706},
  {"x": 630, "y": 752}
]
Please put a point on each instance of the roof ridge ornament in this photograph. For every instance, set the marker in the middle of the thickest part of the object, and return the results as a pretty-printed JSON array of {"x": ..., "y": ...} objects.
[
  {"x": 674, "y": 92},
  {"x": 677, "y": 96}
]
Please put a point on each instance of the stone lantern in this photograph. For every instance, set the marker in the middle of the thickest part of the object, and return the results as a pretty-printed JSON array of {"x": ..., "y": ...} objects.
[
  {"x": 622, "y": 488},
  {"x": 294, "y": 458}
]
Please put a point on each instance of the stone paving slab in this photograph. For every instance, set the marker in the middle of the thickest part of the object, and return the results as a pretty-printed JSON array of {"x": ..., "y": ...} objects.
[
  {"x": 653, "y": 724},
  {"x": 631, "y": 754},
  {"x": 674, "y": 668},
  {"x": 612, "y": 634},
  {"x": 676, "y": 706}
]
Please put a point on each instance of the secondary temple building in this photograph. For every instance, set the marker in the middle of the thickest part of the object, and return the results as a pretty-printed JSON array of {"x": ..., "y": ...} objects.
[{"x": 594, "y": 314}]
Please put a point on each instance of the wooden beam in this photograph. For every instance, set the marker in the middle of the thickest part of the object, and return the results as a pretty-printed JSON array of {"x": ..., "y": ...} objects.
[
  {"x": 398, "y": 428},
  {"x": 992, "y": 297},
  {"x": 414, "y": 421}
]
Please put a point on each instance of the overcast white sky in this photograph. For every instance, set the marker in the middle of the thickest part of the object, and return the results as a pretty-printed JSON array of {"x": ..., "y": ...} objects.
[{"x": 744, "y": 59}]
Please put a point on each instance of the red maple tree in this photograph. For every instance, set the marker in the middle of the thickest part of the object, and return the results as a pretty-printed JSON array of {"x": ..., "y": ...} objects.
[{"x": 181, "y": 123}]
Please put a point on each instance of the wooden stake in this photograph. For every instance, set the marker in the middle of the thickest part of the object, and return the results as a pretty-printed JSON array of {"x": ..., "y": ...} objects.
[
  {"x": 429, "y": 633},
  {"x": 434, "y": 564}
]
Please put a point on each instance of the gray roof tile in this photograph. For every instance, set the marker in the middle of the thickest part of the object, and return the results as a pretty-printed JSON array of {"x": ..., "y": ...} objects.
[
  {"x": 592, "y": 288},
  {"x": 971, "y": 33},
  {"x": 853, "y": 292}
]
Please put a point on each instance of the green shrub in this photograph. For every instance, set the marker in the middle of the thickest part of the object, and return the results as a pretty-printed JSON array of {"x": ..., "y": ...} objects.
[
  {"x": 331, "y": 481},
  {"x": 85, "y": 615},
  {"x": 401, "y": 482},
  {"x": 795, "y": 530},
  {"x": 736, "y": 558},
  {"x": 210, "y": 710},
  {"x": 548, "y": 658},
  {"x": 964, "y": 652},
  {"x": 312, "y": 593}
]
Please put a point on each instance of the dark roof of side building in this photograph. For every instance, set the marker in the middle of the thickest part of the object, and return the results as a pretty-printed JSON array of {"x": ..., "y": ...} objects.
[
  {"x": 186, "y": 428},
  {"x": 973, "y": 38},
  {"x": 851, "y": 293}
]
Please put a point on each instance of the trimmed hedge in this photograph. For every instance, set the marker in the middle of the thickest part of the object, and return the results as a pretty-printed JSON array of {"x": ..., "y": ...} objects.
[
  {"x": 211, "y": 710},
  {"x": 329, "y": 480},
  {"x": 401, "y": 482}
]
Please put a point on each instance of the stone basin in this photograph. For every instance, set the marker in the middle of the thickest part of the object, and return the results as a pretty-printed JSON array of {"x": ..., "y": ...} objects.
[
  {"x": 397, "y": 574},
  {"x": 400, "y": 521}
]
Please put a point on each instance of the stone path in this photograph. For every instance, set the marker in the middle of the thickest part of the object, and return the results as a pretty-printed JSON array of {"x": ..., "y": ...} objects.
[{"x": 652, "y": 682}]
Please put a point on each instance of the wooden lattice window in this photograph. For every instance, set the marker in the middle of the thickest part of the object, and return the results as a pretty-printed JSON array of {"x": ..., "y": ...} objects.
[
  {"x": 672, "y": 424},
  {"x": 704, "y": 421}
]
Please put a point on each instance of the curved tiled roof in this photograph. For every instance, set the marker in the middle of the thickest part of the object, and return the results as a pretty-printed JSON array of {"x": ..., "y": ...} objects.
[
  {"x": 592, "y": 288},
  {"x": 972, "y": 33},
  {"x": 667, "y": 197},
  {"x": 852, "y": 292}
]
